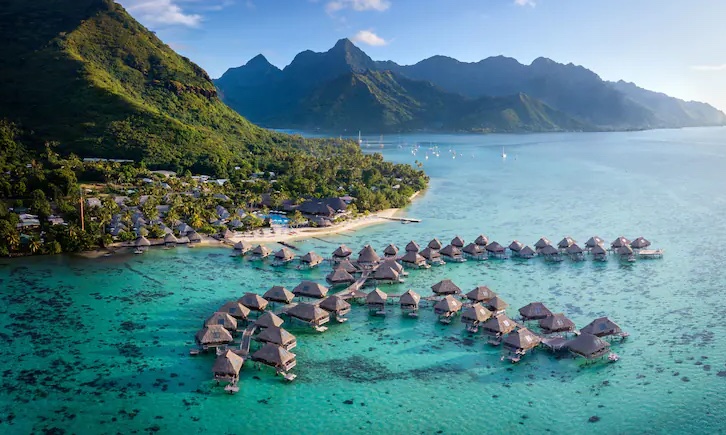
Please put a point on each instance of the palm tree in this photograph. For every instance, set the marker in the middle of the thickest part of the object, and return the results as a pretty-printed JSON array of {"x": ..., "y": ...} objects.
[
  {"x": 196, "y": 221},
  {"x": 35, "y": 246},
  {"x": 13, "y": 240}
]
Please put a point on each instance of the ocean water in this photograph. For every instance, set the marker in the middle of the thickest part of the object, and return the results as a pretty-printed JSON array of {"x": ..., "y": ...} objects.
[{"x": 101, "y": 346}]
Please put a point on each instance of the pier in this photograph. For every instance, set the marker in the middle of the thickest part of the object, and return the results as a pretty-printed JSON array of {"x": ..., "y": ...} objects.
[{"x": 403, "y": 220}]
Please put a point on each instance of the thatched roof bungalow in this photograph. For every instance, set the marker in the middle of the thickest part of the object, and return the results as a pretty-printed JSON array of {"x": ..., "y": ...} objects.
[
  {"x": 496, "y": 305},
  {"x": 498, "y": 325},
  {"x": 515, "y": 247},
  {"x": 626, "y": 253},
  {"x": 277, "y": 336},
  {"x": 335, "y": 305},
  {"x": 213, "y": 336},
  {"x": 386, "y": 273},
  {"x": 268, "y": 319},
  {"x": 588, "y": 346},
  {"x": 435, "y": 244},
  {"x": 170, "y": 240},
  {"x": 412, "y": 247},
  {"x": 575, "y": 252},
  {"x": 275, "y": 356},
  {"x": 534, "y": 311},
  {"x": 541, "y": 243},
  {"x": 312, "y": 314},
  {"x": 564, "y": 243},
  {"x": 261, "y": 251},
  {"x": 279, "y": 294},
  {"x": 376, "y": 300},
  {"x": 640, "y": 243},
  {"x": 556, "y": 323},
  {"x": 243, "y": 247},
  {"x": 284, "y": 255},
  {"x": 526, "y": 253},
  {"x": 311, "y": 259},
  {"x": 619, "y": 242},
  {"x": 235, "y": 309},
  {"x": 414, "y": 258},
  {"x": 481, "y": 293},
  {"x": 602, "y": 327},
  {"x": 475, "y": 251},
  {"x": 253, "y": 301},
  {"x": 594, "y": 241},
  {"x": 310, "y": 289},
  {"x": 340, "y": 277},
  {"x": 142, "y": 242},
  {"x": 447, "y": 306},
  {"x": 451, "y": 252},
  {"x": 457, "y": 242},
  {"x": 521, "y": 340},
  {"x": 227, "y": 366},
  {"x": 367, "y": 257},
  {"x": 222, "y": 319},
  {"x": 409, "y": 301},
  {"x": 550, "y": 253},
  {"x": 496, "y": 250},
  {"x": 445, "y": 287},
  {"x": 342, "y": 252},
  {"x": 390, "y": 250},
  {"x": 431, "y": 255},
  {"x": 482, "y": 240},
  {"x": 599, "y": 253},
  {"x": 347, "y": 265},
  {"x": 475, "y": 314},
  {"x": 194, "y": 237}
]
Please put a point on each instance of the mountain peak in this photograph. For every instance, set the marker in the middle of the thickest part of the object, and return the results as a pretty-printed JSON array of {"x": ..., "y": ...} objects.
[
  {"x": 259, "y": 60},
  {"x": 344, "y": 43}
]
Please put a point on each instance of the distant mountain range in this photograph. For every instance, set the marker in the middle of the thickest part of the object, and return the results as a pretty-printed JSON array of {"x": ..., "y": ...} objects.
[{"x": 344, "y": 89}]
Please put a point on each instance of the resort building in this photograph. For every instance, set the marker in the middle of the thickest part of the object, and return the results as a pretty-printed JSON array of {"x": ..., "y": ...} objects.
[
  {"x": 446, "y": 308},
  {"x": 277, "y": 336},
  {"x": 253, "y": 301},
  {"x": 534, "y": 311},
  {"x": 227, "y": 366},
  {"x": 474, "y": 315},
  {"x": 481, "y": 293},
  {"x": 588, "y": 346},
  {"x": 496, "y": 305},
  {"x": 556, "y": 323},
  {"x": 279, "y": 294},
  {"x": 310, "y": 289},
  {"x": 340, "y": 277},
  {"x": 445, "y": 287},
  {"x": 212, "y": 336},
  {"x": 308, "y": 313},
  {"x": 268, "y": 319},
  {"x": 496, "y": 250},
  {"x": 376, "y": 302},
  {"x": 412, "y": 247},
  {"x": 222, "y": 319},
  {"x": 452, "y": 253},
  {"x": 336, "y": 305},
  {"x": 602, "y": 327},
  {"x": 409, "y": 302},
  {"x": 236, "y": 310},
  {"x": 276, "y": 357},
  {"x": 310, "y": 260}
]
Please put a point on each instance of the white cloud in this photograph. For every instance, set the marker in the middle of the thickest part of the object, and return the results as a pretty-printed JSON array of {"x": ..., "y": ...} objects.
[
  {"x": 721, "y": 67},
  {"x": 369, "y": 38},
  {"x": 357, "y": 5},
  {"x": 531, "y": 3},
  {"x": 161, "y": 12}
]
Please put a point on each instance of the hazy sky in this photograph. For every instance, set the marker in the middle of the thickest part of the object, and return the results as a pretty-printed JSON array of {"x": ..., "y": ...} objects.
[{"x": 673, "y": 46}]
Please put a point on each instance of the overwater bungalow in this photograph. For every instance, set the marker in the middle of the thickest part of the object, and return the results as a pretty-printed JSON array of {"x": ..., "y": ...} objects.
[
  {"x": 515, "y": 247},
  {"x": 236, "y": 310},
  {"x": 599, "y": 253},
  {"x": 227, "y": 366},
  {"x": 496, "y": 250},
  {"x": 603, "y": 327},
  {"x": 639, "y": 243},
  {"x": 279, "y": 294},
  {"x": 556, "y": 323},
  {"x": 222, "y": 319},
  {"x": 575, "y": 252},
  {"x": 550, "y": 253},
  {"x": 435, "y": 244},
  {"x": 457, "y": 242},
  {"x": 542, "y": 243},
  {"x": 527, "y": 253},
  {"x": 534, "y": 311},
  {"x": 170, "y": 240},
  {"x": 212, "y": 336},
  {"x": 390, "y": 251},
  {"x": 337, "y": 306},
  {"x": 308, "y": 313},
  {"x": 446, "y": 308},
  {"x": 268, "y": 319},
  {"x": 445, "y": 287},
  {"x": 386, "y": 274},
  {"x": 565, "y": 243},
  {"x": 376, "y": 302},
  {"x": 253, "y": 301},
  {"x": 194, "y": 237},
  {"x": 341, "y": 253},
  {"x": 409, "y": 302},
  {"x": 367, "y": 257},
  {"x": 519, "y": 342},
  {"x": 620, "y": 242},
  {"x": 310, "y": 260},
  {"x": 310, "y": 289},
  {"x": 242, "y": 247},
  {"x": 412, "y": 247},
  {"x": 277, "y": 336},
  {"x": 415, "y": 259},
  {"x": 474, "y": 315},
  {"x": 393, "y": 264},
  {"x": 141, "y": 243},
  {"x": 432, "y": 256},
  {"x": 496, "y": 305},
  {"x": 275, "y": 356},
  {"x": 475, "y": 252},
  {"x": 452, "y": 253},
  {"x": 496, "y": 327},
  {"x": 594, "y": 241},
  {"x": 340, "y": 277},
  {"x": 481, "y": 293},
  {"x": 260, "y": 252},
  {"x": 283, "y": 256},
  {"x": 626, "y": 253},
  {"x": 588, "y": 346},
  {"x": 347, "y": 265},
  {"x": 482, "y": 240}
]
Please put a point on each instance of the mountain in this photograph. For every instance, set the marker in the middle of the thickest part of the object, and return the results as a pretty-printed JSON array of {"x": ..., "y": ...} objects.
[
  {"x": 344, "y": 89},
  {"x": 310, "y": 92}
]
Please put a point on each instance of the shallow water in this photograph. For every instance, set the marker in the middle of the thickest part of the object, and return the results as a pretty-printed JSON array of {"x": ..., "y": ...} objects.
[{"x": 101, "y": 346}]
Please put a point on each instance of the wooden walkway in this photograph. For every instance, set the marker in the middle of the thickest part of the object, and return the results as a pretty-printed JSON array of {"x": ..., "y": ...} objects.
[
  {"x": 403, "y": 219},
  {"x": 353, "y": 291},
  {"x": 244, "y": 346}
]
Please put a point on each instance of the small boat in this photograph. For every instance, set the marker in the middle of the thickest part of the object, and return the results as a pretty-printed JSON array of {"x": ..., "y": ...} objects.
[
  {"x": 613, "y": 357},
  {"x": 138, "y": 251},
  {"x": 504, "y": 155}
]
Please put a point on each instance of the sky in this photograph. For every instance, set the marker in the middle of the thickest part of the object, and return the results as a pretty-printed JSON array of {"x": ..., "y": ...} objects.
[{"x": 672, "y": 46}]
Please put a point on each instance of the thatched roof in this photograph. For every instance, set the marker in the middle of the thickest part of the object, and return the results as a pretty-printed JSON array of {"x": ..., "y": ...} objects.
[
  {"x": 311, "y": 258},
  {"x": 273, "y": 355},
  {"x": 557, "y": 323},
  {"x": 516, "y": 246},
  {"x": 541, "y": 243},
  {"x": 535, "y": 311},
  {"x": 340, "y": 276},
  {"x": 142, "y": 241},
  {"x": 261, "y": 250},
  {"x": 392, "y": 264},
  {"x": 376, "y": 297},
  {"x": 602, "y": 327},
  {"x": 526, "y": 251},
  {"x": 412, "y": 247},
  {"x": 522, "y": 338},
  {"x": 222, "y": 319},
  {"x": 310, "y": 289},
  {"x": 458, "y": 242},
  {"x": 269, "y": 319},
  {"x": 242, "y": 246},
  {"x": 276, "y": 335},
  {"x": 253, "y": 301},
  {"x": 450, "y": 251},
  {"x": 574, "y": 249},
  {"x": 476, "y": 313},
  {"x": 620, "y": 241},
  {"x": 413, "y": 257},
  {"x": 279, "y": 294},
  {"x": 640, "y": 243},
  {"x": 308, "y": 312},
  {"x": 435, "y": 244},
  {"x": 213, "y": 334},
  {"x": 284, "y": 254},
  {"x": 235, "y": 309},
  {"x": 594, "y": 241},
  {"x": 501, "y": 324},
  {"x": 446, "y": 287},
  {"x": 564, "y": 243},
  {"x": 229, "y": 363},
  {"x": 227, "y": 234},
  {"x": 170, "y": 238},
  {"x": 430, "y": 254},
  {"x": 368, "y": 255},
  {"x": 481, "y": 293},
  {"x": 495, "y": 247},
  {"x": 334, "y": 304},
  {"x": 391, "y": 249},
  {"x": 472, "y": 249},
  {"x": 347, "y": 265},
  {"x": 589, "y": 346},
  {"x": 410, "y": 298},
  {"x": 598, "y": 250},
  {"x": 549, "y": 250},
  {"x": 482, "y": 240},
  {"x": 449, "y": 304},
  {"x": 496, "y": 304},
  {"x": 624, "y": 250},
  {"x": 342, "y": 252},
  {"x": 386, "y": 273},
  {"x": 194, "y": 236}
]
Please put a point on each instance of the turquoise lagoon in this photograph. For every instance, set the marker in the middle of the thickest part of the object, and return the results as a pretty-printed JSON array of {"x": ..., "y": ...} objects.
[{"x": 101, "y": 346}]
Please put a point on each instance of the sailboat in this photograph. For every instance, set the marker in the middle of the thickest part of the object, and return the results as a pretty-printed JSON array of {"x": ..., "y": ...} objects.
[
  {"x": 381, "y": 144},
  {"x": 504, "y": 155},
  {"x": 360, "y": 141}
]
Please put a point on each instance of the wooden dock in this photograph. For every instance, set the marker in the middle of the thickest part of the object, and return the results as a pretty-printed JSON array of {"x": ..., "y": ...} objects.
[
  {"x": 403, "y": 219},
  {"x": 244, "y": 346}
]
